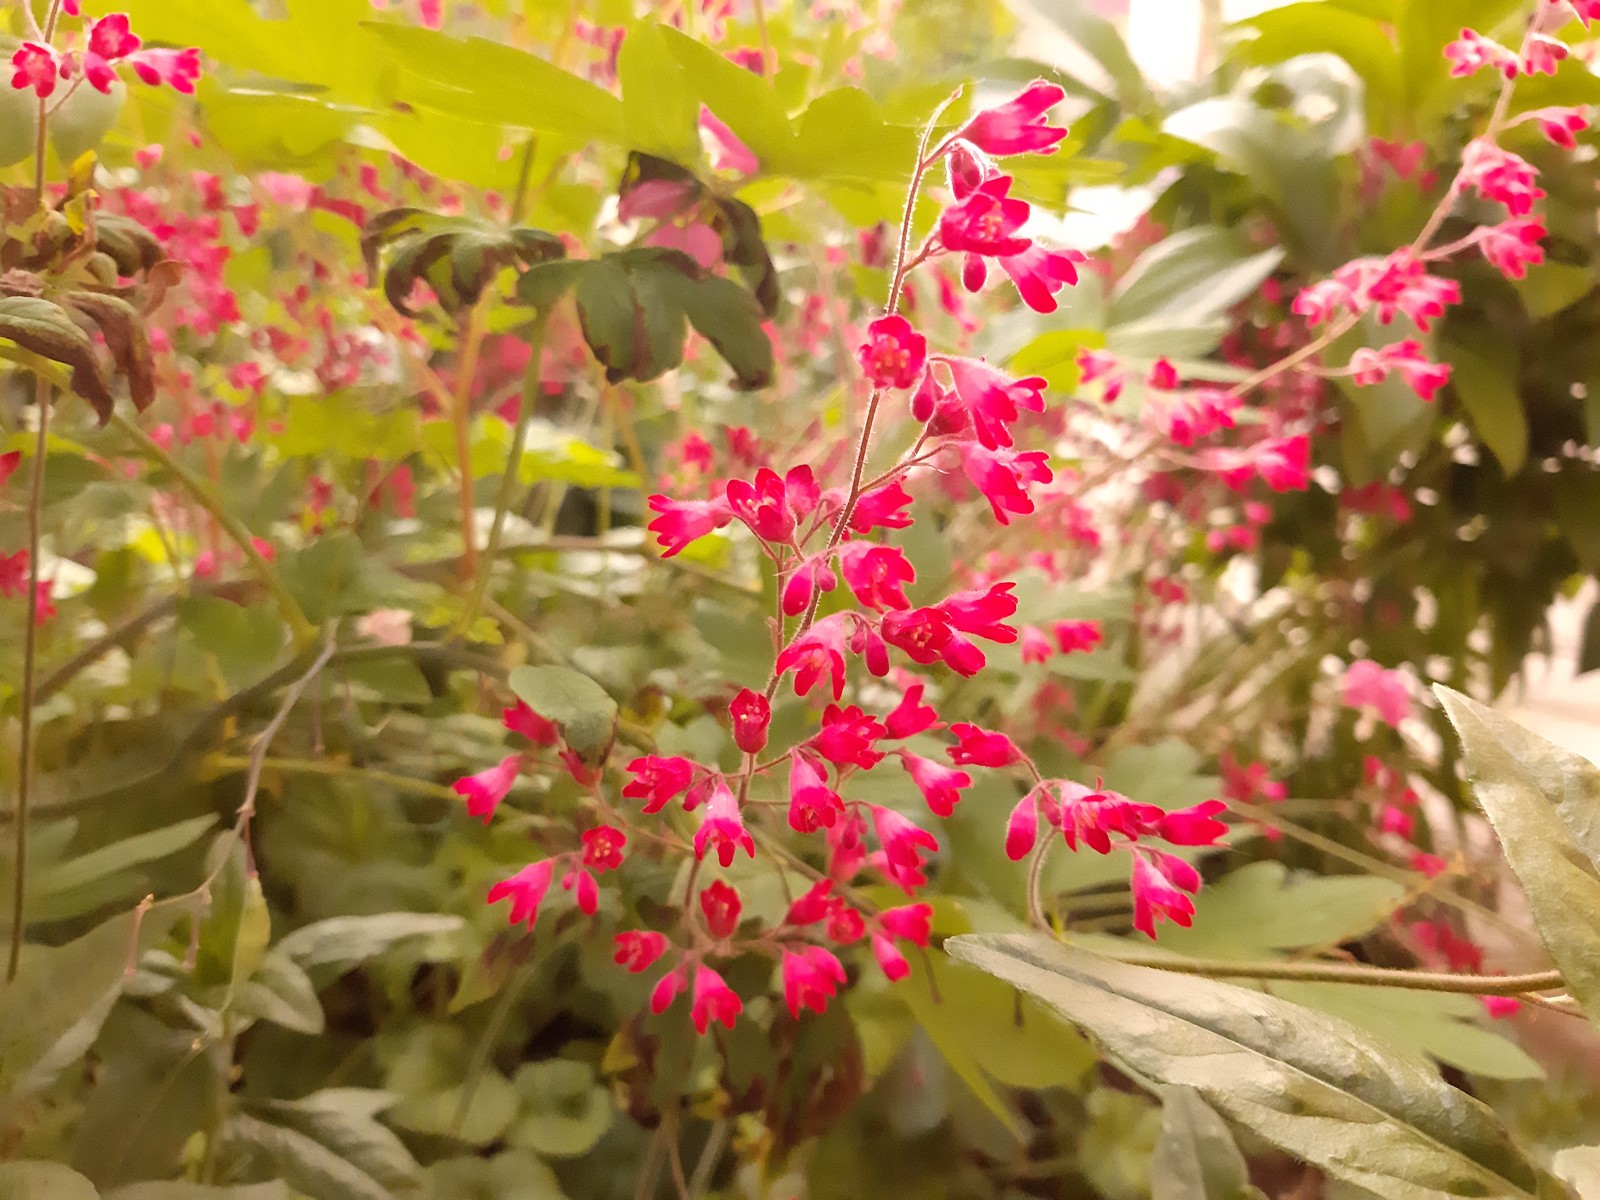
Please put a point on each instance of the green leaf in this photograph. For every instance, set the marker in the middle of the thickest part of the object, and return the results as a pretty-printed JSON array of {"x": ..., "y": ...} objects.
[
  {"x": 1098, "y": 38},
  {"x": 743, "y": 100},
  {"x": 177, "y": 1190},
  {"x": 45, "y": 329},
  {"x": 346, "y": 941},
  {"x": 843, "y": 135},
  {"x": 582, "y": 709},
  {"x": 489, "y": 1113},
  {"x": 564, "y": 1112},
  {"x": 1190, "y": 278},
  {"x": 43, "y": 1181},
  {"x": 51, "y": 1012},
  {"x": 632, "y": 337},
  {"x": 1257, "y": 911},
  {"x": 105, "y": 861},
  {"x": 1561, "y": 880},
  {"x": 660, "y": 112},
  {"x": 986, "y": 1031},
  {"x": 489, "y": 81},
  {"x": 281, "y": 992},
  {"x": 730, "y": 318},
  {"x": 303, "y": 1162},
  {"x": 1196, "y": 1158},
  {"x": 1550, "y": 287},
  {"x": 344, "y": 1120},
  {"x": 1308, "y": 1083},
  {"x": 1483, "y": 377},
  {"x": 1315, "y": 27}
]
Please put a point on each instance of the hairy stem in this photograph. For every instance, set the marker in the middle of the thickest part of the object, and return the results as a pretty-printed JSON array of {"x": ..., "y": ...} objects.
[
  {"x": 461, "y": 419},
  {"x": 1325, "y": 972},
  {"x": 30, "y": 666},
  {"x": 509, "y": 479}
]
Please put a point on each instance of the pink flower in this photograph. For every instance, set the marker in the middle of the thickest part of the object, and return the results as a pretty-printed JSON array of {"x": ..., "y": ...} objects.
[
  {"x": 178, "y": 69},
  {"x": 1195, "y": 826},
  {"x": 813, "y": 804},
  {"x": 1587, "y": 10},
  {"x": 721, "y": 905},
  {"x": 1560, "y": 125},
  {"x": 940, "y": 785},
  {"x": 811, "y": 978},
  {"x": 13, "y": 574},
  {"x": 847, "y": 735},
  {"x": 1471, "y": 52},
  {"x": 904, "y": 844},
  {"x": 526, "y": 889},
  {"x": 36, "y": 67},
  {"x": 926, "y": 635},
  {"x": 723, "y": 147},
  {"x": 658, "y": 781},
  {"x": 893, "y": 354},
  {"x": 722, "y": 826},
  {"x": 1163, "y": 375},
  {"x": 1018, "y": 126},
  {"x": 1002, "y": 476},
  {"x": 8, "y": 465},
  {"x": 1283, "y": 464},
  {"x": 667, "y": 989},
  {"x": 770, "y": 505},
  {"x": 890, "y": 960},
  {"x": 813, "y": 906},
  {"x": 1077, "y": 635},
  {"x": 1500, "y": 1007},
  {"x": 1500, "y": 175},
  {"x": 714, "y": 1000},
  {"x": 603, "y": 846},
  {"x": 1036, "y": 645},
  {"x": 911, "y": 922},
  {"x": 982, "y": 747},
  {"x": 993, "y": 398},
  {"x": 585, "y": 892},
  {"x": 1369, "y": 685},
  {"x": 1101, "y": 364},
  {"x": 877, "y": 575},
  {"x": 808, "y": 577},
  {"x": 1039, "y": 274},
  {"x": 982, "y": 612},
  {"x": 111, "y": 38},
  {"x": 638, "y": 949},
  {"x": 881, "y": 509},
  {"x": 985, "y": 223},
  {"x": 1542, "y": 54},
  {"x": 1399, "y": 283},
  {"x": 486, "y": 789},
  {"x": 1513, "y": 246},
  {"x": 816, "y": 653},
  {"x": 1159, "y": 882},
  {"x": 1022, "y": 828},
  {"x": 1369, "y": 366},
  {"x": 1197, "y": 415},
  {"x": 751, "y": 713},
  {"x": 522, "y": 719},
  {"x": 1093, "y": 815},
  {"x": 911, "y": 716},
  {"x": 685, "y": 521}
]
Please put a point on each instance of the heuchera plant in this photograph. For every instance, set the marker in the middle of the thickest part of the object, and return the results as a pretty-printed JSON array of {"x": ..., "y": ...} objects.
[{"x": 812, "y": 532}]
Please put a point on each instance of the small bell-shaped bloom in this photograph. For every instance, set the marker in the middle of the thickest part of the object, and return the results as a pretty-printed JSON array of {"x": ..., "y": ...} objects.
[
  {"x": 522, "y": 719},
  {"x": 714, "y": 1000},
  {"x": 813, "y": 804},
  {"x": 994, "y": 399},
  {"x": 982, "y": 747},
  {"x": 811, "y": 977},
  {"x": 722, "y": 826},
  {"x": 904, "y": 844},
  {"x": 940, "y": 785},
  {"x": 486, "y": 789},
  {"x": 815, "y": 654},
  {"x": 911, "y": 716},
  {"x": 1018, "y": 126},
  {"x": 893, "y": 354},
  {"x": 722, "y": 906},
  {"x": 1156, "y": 896},
  {"x": 877, "y": 575},
  {"x": 603, "y": 847},
  {"x": 1003, "y": 477},
  {"x": 881, "y": 508},
  {"x": 806, "y": 578},
  {"x": 526, "y": 889},
  {"x": 667, "y": 989},
  {"x": 1022, "y": 828},
  {"x": 685, "y": 521},
  {"x": 751, "y": 714},
  {"x": 638, "y": 949},
  {"x": 658, "y": 780}
]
